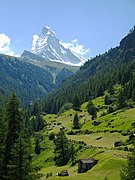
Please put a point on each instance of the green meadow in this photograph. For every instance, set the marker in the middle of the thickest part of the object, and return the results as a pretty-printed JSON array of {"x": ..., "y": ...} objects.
[{"x": 98, "y": 142}]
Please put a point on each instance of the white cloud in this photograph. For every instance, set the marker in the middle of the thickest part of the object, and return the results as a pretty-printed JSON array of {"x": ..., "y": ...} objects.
[
  {"x": 75, "y": 47},
  {"x": 11, "y": 53},
  {"x": 5, "y": 42},
  {"x": 35, "y": 38}
]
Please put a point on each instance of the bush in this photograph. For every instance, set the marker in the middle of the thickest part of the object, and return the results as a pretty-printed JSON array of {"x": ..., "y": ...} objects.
[
  {"x": 125, "y": 133},
  {"x": 80, "y": 147},
  {"x": 71, "y": 132},
  {"x": 51, "y": 136},
  {"x": 87, "y": 132}
]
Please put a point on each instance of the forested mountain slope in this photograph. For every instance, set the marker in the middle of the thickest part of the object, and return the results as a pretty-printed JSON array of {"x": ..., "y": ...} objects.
[
  {"x": 29, "y": 81},
  {"x": 97, "y": 75},
  {"x": 58, "y": 71}
]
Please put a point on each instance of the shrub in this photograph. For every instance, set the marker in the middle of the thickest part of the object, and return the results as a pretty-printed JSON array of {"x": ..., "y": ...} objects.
[
  {"x": 51, "y": 136},
  {"x": 125, "y": 133},
  {"x": 71, "y": 132}
]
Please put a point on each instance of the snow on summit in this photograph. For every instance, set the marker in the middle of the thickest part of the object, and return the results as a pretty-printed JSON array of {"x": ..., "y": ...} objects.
[{"x": 48, "y": 46}]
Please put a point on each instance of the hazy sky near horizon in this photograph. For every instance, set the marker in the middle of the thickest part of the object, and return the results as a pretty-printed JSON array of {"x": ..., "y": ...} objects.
[{"x": 97, "y": 25}]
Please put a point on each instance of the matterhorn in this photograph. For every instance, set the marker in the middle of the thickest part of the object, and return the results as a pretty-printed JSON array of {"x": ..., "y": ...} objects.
[{"x": 47, "y": 47}]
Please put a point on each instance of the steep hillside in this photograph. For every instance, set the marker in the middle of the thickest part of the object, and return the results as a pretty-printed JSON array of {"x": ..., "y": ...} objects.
[
  {"x": 54, "y": 68},
  {"x": 97, "y": 75},
  {"x": 29, "y": 81},
  {"x": 90, "y": 140}
]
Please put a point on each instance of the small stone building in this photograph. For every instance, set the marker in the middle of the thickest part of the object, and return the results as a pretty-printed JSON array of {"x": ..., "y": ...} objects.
[{"x": 86, "y": 164}]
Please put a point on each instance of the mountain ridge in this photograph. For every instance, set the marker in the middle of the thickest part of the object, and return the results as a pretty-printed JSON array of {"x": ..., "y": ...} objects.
[{"x": 47, "y": 46}]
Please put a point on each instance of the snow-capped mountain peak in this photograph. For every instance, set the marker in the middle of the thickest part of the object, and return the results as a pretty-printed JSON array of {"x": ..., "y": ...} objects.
[
  {"x": 47, "y": 45},
  {"x": 47, "y": 31}
]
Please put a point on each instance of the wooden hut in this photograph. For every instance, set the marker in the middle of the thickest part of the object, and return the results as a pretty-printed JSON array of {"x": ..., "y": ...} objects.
[{"x": 86, "y": 164}]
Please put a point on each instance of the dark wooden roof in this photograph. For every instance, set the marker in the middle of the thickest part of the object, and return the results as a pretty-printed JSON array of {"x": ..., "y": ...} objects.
[
  {"x": 87, "y": 161},
  {"x": 64, "y": 171}
]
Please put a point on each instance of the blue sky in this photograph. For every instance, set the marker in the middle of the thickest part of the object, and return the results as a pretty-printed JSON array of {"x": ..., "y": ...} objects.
[{"x": 98, "y": 25}]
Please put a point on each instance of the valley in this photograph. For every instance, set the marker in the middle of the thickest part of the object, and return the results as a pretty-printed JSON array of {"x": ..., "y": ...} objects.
[
  {"x": 30, "y": 79},
  {"x": 68, "y": 121}
]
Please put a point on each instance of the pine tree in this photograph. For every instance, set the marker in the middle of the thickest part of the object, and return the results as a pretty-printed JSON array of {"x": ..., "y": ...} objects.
[
  {"x": 99, "y": 91},
  {"x": 38, "y": 123},
  {"x": 16, "y": 160},
  {"x": 41, "y": 123},
  {"x": 76, "y": 102},
  {"x": 76, "y": 121},
  {"x": 14, "y": 125},
  {"x": 61, "y": 149},
  {"x": 92, "y": 110},
  {"x": 37, "y": 147},
  {"x": 121, "y": 99},
  {"x": 128, "y": 172}
]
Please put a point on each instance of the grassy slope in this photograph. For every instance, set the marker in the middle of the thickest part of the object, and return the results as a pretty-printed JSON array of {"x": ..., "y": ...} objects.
[
  {"x": 108, "y": 165},
  {"x": 110, "y": 159},
  {"x": 107, "y": 139}
]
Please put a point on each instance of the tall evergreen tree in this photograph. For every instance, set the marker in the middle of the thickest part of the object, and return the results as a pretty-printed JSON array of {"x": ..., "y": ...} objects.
[
  {"x": 16, "y": 160},
  {"x": 37, "y": 146},
  {"x": 128, "y": 172},
  {"x": 99, "y": 91},
  {"x": 92, "y": 110},
  {"x": 76, "y": 102},
  {"x": 76, "y": 121},
  {"x": 61, "y": 149},
  {"x": 121, "y": 99}
]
